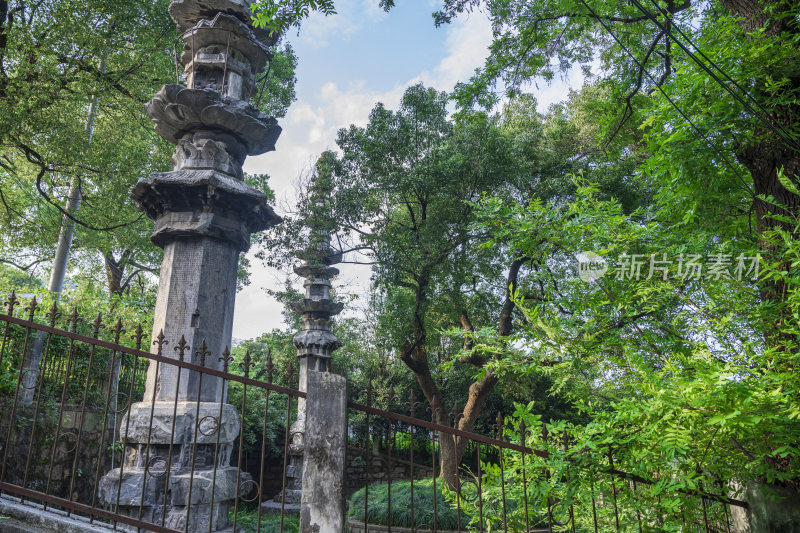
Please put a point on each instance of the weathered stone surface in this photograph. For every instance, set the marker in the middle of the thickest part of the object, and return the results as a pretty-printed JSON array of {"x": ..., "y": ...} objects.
[
  {"x": 30, "y": 517},
  {"x": 203, "y": 203},
  {"x": 215, "y": 32},
  {"x": 136, "y": 424},
  {"x": 177, "y": 111},
  {"x": 322, "y": 507},
  {"x": 209, "y": 155},
  {"x": 224, "y": 486}
]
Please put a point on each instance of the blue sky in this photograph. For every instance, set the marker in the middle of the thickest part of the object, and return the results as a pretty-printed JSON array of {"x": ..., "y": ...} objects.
[{"x": 348, "y": 62}]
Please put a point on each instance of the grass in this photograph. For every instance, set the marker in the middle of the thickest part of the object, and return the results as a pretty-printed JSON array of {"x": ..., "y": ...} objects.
[
  {"x": 377, "y": 507},
  {"x": 247, "y": 521}
]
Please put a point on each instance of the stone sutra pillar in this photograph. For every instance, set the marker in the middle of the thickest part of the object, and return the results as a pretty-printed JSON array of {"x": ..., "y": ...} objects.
[
  {"x": 204, "y": 214},
  {"x": 315, "y": 345}
]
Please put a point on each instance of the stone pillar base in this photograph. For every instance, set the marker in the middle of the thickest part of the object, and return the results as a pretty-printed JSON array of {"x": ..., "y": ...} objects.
[{"x": 197, "y": 472}]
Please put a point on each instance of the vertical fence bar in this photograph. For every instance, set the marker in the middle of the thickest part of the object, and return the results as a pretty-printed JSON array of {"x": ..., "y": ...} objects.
[
  {"x": 202, "y": 353},
  {"x": 73, "y": 322},
  {"x": 389, "y": 436},
  {"x": 547, "y": 485},
  {"x": 159, "y": 342},
  {"x": 270, "y": 370},
  {"x": 480, "y": 485},
  {"x": 137, "y": 337},
  {"x": 53, "y": 314},
  {"x": 97, "y": 325},
  {"x": 434, "y": 411},
  {"x": 594, "y": 506},
  {"x": 9, "y": 304},
  {"x": 118, "y": 331},
  {"x": 180, "y": 348},
  {"x": 290, "y": 378},
  {"x": 369, "y": 455},
  {"x": 455, "y": 416},
  {"x": 245, "y": 365},
  {"x": 225, "y": 360},
  {"x": 412, "y": 404},
  {"x": 569, "y": 484},
  {"x": 500, "y": 425},
  {"x": 31, "y": 312}
]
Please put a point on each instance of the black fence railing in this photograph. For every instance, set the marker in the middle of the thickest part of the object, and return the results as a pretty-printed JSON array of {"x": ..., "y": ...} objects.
[
  {"x": 72, "y": 389},
  {"x": 68, "y": 389}
]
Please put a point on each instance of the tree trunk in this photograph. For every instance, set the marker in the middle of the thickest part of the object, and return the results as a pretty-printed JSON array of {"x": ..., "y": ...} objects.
[
  {"x": 765, "y": 154},
  {"x": 114, "y": 272}
]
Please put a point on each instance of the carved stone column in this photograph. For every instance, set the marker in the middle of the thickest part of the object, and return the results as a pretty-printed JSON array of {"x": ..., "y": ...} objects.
[
  {"x": 315, "y": 345},
  {"x": 204, "y": 214}
]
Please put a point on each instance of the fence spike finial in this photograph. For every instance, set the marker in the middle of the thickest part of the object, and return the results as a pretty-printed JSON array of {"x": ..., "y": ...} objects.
[
  {"x": 160, "y": 342},
  {"x": 247, "y": 362},
  {"x": 118, "y": 330},
  {"x": 202, "y": 353},
  {"x": 523, "y": 432},
  {"x": 32, "y": 307},
  {"x": 11, "y": 303},
  {"x": 138, "y": 336},
  {"x": 390, "y": 397},
  {"x": 225, "y": 359},
  {"x": 73, "y": 319},
  {"x": 456, "y": 414},
  {"x": 290, "y": 374},
  {"x": 97, "y": 325},
  {"x": 181, "y": 348},
  {"x": 412, "y": 403},
  {"x": 53, "y": 314},
  {"x": 500, "y": 425}
]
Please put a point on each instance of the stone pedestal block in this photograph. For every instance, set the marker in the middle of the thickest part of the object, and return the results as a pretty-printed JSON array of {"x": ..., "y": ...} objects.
[{"x": 185, "y": 483}]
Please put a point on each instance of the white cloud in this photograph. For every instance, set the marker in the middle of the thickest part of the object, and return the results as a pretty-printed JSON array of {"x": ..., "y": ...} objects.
[{"x": 468, "y": 41}]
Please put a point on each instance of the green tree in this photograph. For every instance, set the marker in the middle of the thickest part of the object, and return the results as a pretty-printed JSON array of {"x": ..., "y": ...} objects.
[
  {"x": 402, "y": 197},
  {"x": 56, "y": 58}
]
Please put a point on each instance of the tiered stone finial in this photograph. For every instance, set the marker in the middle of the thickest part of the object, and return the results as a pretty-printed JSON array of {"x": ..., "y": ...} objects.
[
  {"x": 315, "y": 342},
  {"x": 204, "y": 214}
]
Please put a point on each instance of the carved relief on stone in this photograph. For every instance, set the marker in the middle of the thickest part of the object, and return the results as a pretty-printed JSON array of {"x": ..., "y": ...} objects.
[
  {"x": 209, "y": 155},
  {"x": 177, "y": 111},
  {"x": 210, "y": 44}
]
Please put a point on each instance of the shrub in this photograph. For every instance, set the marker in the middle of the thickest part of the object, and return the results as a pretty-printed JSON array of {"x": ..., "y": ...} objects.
[{"x": 377, "y": 508}]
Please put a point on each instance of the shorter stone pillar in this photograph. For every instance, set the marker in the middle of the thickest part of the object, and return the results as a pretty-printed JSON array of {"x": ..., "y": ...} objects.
[{"x": 322, "y": 506}]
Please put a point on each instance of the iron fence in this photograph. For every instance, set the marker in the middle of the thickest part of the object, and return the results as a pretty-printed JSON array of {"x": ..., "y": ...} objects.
[
  {"x": 504, "y": 484},
  {"x": 69, "y": 387}
]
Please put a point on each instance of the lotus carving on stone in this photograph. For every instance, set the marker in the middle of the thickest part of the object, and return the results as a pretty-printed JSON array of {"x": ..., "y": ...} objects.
[{"x": 178, "y": 111}]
